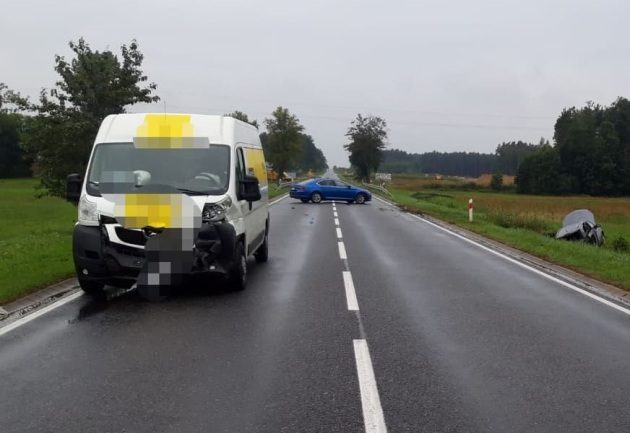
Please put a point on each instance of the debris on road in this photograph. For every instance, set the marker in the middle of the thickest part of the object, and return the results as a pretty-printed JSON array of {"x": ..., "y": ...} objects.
[{"x": 580, "y": 225}]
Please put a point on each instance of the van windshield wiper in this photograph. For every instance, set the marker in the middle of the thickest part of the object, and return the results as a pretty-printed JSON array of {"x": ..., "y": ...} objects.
[{"x": 192, "y": 191}]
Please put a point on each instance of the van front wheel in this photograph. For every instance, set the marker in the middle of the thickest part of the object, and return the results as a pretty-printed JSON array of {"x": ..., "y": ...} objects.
[
  {"x": 91, "y": 287},
  {"x": 238, "y": 277}
]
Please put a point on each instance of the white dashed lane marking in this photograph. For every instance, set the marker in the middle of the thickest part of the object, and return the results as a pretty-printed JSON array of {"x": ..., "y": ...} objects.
[
  {"x": 373, "y": 418},
  {"x": 351, "y": 294},
  {"x": 342, "y": 251}
]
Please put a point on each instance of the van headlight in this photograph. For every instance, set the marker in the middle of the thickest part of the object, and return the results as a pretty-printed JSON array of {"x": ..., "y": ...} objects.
[
  {"x": 214, "y": 212},
  {"x": 87, "y": 212}
]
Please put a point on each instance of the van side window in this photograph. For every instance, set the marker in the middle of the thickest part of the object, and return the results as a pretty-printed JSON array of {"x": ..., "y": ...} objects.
[{"x": 240, "y": 165}]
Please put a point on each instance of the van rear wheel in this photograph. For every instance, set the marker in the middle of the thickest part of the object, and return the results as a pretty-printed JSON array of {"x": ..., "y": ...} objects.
[
  {"x": 262, "y": 253},
  {"x": 238, "y": 276}
]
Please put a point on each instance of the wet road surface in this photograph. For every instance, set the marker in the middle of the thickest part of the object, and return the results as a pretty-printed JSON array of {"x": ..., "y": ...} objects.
[{"x": 364, "y": 319}]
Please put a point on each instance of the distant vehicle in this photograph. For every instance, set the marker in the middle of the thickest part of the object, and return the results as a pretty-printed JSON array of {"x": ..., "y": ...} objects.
[
  {"x": 317, "y": 190},
  {"x": 169, "y": 195}
]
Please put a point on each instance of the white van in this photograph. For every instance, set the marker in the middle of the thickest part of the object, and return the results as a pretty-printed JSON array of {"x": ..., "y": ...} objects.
[{"x": 169, "y": 195}]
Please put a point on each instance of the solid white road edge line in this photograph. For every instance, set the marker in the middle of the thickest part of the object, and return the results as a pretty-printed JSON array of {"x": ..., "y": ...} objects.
[
  {"x": 24, "y": 320},
  {"x": 526, "y": 266},
  {"x": 336, "y": 221},
  {"x": 373, "y": 418},
  {"x": 351, "y": 294},
  {"x": 276, "y": 200},
  {"x": 339, "y": 235},
  {"x": 342, "y": 251}
]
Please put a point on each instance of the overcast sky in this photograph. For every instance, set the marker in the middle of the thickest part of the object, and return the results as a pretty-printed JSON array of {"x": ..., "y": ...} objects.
[{"x": 446, "y": 75}]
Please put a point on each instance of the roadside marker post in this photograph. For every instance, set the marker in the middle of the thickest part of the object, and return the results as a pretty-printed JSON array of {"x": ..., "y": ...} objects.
[{"x": 470, "y": 210}]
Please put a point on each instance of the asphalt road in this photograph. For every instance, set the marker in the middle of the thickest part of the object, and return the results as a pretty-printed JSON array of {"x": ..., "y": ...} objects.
[{"x": 416, "y": 331}]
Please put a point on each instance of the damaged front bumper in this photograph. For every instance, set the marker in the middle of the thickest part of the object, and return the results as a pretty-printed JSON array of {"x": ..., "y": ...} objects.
[{"x": 116, "y": 256}]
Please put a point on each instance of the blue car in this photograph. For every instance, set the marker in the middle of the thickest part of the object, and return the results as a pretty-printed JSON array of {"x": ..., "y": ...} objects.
[{"x": 316, "y": 190}]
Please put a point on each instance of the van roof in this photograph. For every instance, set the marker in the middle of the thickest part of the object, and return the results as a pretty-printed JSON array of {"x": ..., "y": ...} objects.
[{"x": 123, "y": 128}]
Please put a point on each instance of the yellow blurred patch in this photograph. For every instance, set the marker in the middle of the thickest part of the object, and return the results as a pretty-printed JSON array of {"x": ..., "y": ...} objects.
[
  {"x": 255, "y": 162},
  {"x": 155, "y": 210},
  {"x": 166, "y": 131}
]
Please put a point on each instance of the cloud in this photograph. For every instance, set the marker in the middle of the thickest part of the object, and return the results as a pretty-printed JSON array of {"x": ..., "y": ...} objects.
[{"x": 455, "y": 75}]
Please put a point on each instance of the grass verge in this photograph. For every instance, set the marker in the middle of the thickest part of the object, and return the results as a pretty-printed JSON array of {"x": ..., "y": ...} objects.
[
  {"x": 274, "y": 191},
  {"x": 35, "y": 239}
]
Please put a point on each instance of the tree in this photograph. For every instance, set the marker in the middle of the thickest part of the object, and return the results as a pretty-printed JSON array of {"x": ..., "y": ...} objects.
[
  {"x": 11, "y": 101},
  {"x": 92, "y": 86},
  {"x": 367, "y": 141},
  {"x": 510, "y": 155},
  {"x": 283, "y": 140},
  {"x": 542, "y": 173},
  {"x": 591, "y": 154},
  {"x": 239, "y": 115},
  {"x": 311, "y": 157},
  {"x": 13, "y": 162}
]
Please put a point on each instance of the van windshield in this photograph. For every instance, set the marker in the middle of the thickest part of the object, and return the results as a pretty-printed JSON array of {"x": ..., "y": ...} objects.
[{"x": 119, "y": 168}]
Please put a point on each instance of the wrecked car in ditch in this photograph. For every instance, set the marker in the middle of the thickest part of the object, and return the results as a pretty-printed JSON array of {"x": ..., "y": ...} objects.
[{"x": 580, "y": 225}]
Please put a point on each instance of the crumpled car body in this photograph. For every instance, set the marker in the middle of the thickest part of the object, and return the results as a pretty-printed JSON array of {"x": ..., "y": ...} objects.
[{"x": 580, "y": 225}]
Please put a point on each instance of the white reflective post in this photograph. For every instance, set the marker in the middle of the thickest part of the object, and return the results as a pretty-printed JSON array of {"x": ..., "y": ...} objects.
[{"x": 470, "y": 210}]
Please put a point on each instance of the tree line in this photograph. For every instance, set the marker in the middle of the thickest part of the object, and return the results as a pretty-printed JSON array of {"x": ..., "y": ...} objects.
[
  {"x": 590, "y": 154},
  {"x": 53, "y": 137},
  {"x": 506, "y": 160}
]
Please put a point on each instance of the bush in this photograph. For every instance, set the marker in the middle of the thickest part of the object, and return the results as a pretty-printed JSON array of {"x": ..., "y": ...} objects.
[
  {"x": 496, "y": 183},
  {"x": 621, "y": 244}
]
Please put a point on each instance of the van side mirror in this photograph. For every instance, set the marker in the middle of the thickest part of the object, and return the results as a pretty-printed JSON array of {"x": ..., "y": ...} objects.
[
  {"x": 248, "y": 189},
  {"x": 74, "y": 183}
]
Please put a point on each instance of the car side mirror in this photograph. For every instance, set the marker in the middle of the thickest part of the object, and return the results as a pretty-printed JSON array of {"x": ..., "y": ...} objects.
[
  {"x": 74, "y": 183},
  {"x": 249, "y": 189}
]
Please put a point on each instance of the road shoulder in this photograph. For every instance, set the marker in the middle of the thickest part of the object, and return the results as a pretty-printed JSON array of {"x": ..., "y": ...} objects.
[{"x": 589, "y": 284}]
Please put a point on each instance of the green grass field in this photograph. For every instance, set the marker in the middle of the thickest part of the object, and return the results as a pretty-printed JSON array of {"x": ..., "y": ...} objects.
[
  {"x": 35, "y": 239},
  {"x": 527, "y": 223}
]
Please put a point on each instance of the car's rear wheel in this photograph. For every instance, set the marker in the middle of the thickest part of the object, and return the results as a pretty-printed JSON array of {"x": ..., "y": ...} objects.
[
  {"x": 304, "y": 200},
  {"x": 316, "y": 197},
  {"x": 360, "y": 198},
  {"x": 238, "y": 277},
  {"x": 92, "y": 287}
]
